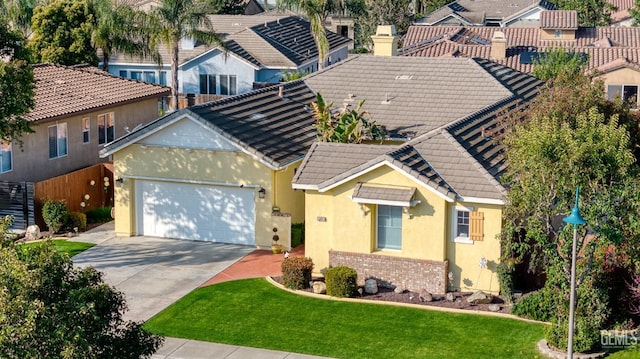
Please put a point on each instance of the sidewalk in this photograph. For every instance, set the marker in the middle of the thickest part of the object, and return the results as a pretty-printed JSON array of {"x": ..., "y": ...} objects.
[{"x": 175, "y": 348}]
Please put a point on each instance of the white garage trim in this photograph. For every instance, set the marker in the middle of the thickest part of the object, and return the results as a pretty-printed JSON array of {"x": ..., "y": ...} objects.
[
  {"x": 195, "y": 211},
  {"x": 180, "y": 180}
]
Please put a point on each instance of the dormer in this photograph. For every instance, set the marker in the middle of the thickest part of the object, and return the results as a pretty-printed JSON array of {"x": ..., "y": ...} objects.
[{"x": 558, "y": 24}]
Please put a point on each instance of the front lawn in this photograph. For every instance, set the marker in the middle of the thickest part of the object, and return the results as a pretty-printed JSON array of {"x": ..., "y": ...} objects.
[
  {"x": 64, "y": 246},
  {"x": 254, "y": 313}
]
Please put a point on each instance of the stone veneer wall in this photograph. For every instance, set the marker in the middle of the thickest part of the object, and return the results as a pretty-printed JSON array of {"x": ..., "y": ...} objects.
[{"x": 407, "y": 273}]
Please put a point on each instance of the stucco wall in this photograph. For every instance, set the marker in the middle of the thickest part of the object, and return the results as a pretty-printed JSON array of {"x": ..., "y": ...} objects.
[
  {"x": 32, "y": 163},
  {"x": 550, "y": 34},
  {"x": 623, "y": 76},
  {"x": 285, "y": 197},
  {"x": 464, "y": 258},
  {"x": 233, "y": 168},
  {"x": 216, "y": 63}
]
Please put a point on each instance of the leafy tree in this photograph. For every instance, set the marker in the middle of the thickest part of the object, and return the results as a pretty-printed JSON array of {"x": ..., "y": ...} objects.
[
  {"x": 16, "y": 85},
  {"x": 590, "y": 12},
  {"x": 62, "y": 33},
  {"x": 635, "y": 12},
  {"x": 429, "y": 6},
  {"x": 19, "y": 14},
  {"x": 346, "y": 126},
  {"x": 559, "y": 64},
  {"x": 50, "y": 309},
  {"x": 116, "y": 30},
  {"x": 368, "y": 14},
  {"x": 228, "y": 7},
  {"x": 316, "y": 11},
  {"x": 173, "y": 20}
]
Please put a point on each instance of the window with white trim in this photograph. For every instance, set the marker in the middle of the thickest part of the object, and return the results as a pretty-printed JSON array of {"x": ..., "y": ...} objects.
[
  {"x": 150, "y": 76},
  {"x": 123, "y": 73},
  {"x": 467, "y": 225},
  {"x": 228, "y": 85},
  {"x": 106, "y": 128},
  {"x": 57, "y": 140},
  {"x": 628, "y": 94},
  {"x": 6, "y": 157},
  {"x": 136, "y": 75},
  {"x": 389, "y": 227},
  {"x": 163, "y": 78},
  {"x": 207, "y": 84},
  {"x": 86, "y": 126}
]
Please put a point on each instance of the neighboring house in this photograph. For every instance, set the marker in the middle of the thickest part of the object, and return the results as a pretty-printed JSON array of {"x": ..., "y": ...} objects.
[
  {"x": 621, "y": 16},
  {"x": 217, "y": 171},
  {"x": 612, "y": 52},
  {"x": 78, "y": 110},
  {"x": 261, "y": 48},
  {"x": 512, "y": 13}
]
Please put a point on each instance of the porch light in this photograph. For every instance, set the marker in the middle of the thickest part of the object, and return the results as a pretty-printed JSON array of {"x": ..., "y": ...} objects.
[{"x": 261, "y": 193}]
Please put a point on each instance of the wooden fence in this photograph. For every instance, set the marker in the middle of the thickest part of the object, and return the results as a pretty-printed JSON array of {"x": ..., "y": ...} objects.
[
  {"x": 82, "y": 190},
  {"x": 16, "y": 199}
]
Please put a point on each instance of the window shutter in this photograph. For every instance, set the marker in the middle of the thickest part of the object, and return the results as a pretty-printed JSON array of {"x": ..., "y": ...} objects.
[{"x": 476, "y": 226}]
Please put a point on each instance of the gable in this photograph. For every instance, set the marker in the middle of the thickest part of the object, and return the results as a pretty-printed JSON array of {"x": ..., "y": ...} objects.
[{"x": 187, "y": 133}]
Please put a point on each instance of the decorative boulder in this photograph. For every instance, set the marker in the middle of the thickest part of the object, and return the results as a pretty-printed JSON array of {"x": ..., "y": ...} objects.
[
  {"x": 425, "y": 296},
  {"x": 494, "y": 307},
  {"x": 319, "y": 287},
  {"x": 32, "y": 233},
  {"x": 399, "y": 290},
  {"x": 450, "y": 297},
  {"x": 480, "y": 297},
  {"x": 371, "y": 286}
]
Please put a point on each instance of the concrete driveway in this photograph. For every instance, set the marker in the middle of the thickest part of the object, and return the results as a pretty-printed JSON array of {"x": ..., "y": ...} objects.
[{"x": 155, "y": 272}]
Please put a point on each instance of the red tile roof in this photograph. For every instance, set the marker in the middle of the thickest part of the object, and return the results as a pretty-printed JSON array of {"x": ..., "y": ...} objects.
[
  {"x": 62, "y": 91},
  {"x": 623, "y": 7},
  {"x": 602, "y": 45},
  {"x": 559, "y": 19}
]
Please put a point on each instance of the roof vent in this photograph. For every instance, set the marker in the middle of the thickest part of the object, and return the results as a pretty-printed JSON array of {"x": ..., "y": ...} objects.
[
  {"x": 280, "y": 91},
  {"x": 258, "y": 116},
  {"x": 386, "y": 99}
]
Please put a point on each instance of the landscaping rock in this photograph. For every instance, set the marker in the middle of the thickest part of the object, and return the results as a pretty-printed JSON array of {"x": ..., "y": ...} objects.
[
  {"x": 32, "y": 233},
  {"x": 494, "y": 307},
  {"x": 371, "y": 286},
  {"x": 399, "y": 290},
  {"x": 450, "y": 297},
  {"x": 319, "y": 287},
  {"x": 480, "y": 297},
  {"x": 425, "y": 296}
]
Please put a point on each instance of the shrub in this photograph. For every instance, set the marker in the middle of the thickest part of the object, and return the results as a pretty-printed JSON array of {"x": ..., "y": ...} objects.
[
  {"x": 99, "y": 215},
  {"x": 505, "y": 278},
  {"x": 54, "y": 213},
  {"x": 536, "y": 305},
  {"x": 76, "y": 220},
  {"x": 297, "y": 234},
  {"x": 586, "y": 336},
  {"x": 341, "y": 281},
  {"x": 296, "y": 272}
]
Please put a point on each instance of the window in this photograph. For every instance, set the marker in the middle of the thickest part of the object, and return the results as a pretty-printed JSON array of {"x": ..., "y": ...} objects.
[
  {"x": 6, "y": 157},
  {"x": 227, "y": 85},
  {"x": 85, "y": 130},
  {"x": 628, "y": 93},
  {"x": 106, "y": 128},
  {"x": 58, "y": 140},
  {"x": 163, "y": 78},
  {"x": 467, "y": 225},
  {"x": 208, "y": 84},
  {"x": 389, "y": 227},
  {"x": 136, "y": 75},
  {"x": 150, "y": 76},
  {"x": 123, "y": 73},
  {"x": 557, "y": 34}
]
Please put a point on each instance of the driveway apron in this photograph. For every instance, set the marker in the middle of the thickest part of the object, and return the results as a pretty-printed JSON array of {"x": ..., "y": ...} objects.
[{"x": 155, "y": 272}]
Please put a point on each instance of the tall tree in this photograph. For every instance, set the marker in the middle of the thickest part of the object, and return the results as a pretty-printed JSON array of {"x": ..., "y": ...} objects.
[
  {"x": 19, "y": 14},
  {"x": 173, "y": 20},
  {"x": 558, "y": 64},
  {"x": 590, "y": 12},
  {"x": 50, "y": 309},
  {"x": 117, "y": 29},
  {"x": 16, "y": 85},
  {"x": 316, "y": 12},
  {"x": 62, "y": 33},
  {"x": 344, "y": 126},
  {"x": 369, "y": 14},
  {"x": 635, "y": 13}
]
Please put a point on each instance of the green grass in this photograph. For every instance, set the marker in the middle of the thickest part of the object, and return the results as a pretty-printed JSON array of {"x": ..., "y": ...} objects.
[
  {"x": 64, "y": 246},
  {"x": 254, "y": 313},
  {"x": 632, "y": 352}
]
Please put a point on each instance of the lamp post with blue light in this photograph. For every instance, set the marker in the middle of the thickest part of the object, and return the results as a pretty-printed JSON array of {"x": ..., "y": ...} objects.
[{"x": 575, "y": 219}]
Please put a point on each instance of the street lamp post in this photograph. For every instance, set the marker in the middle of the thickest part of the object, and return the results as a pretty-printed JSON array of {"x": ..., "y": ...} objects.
[{"x": 575, "y": 219}]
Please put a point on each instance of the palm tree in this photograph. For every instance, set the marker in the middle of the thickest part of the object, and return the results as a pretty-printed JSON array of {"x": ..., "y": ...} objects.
[
  {"x": 173, "y": 20},
  {"x": 316, "y": 11},
  {"x": 116, "y": 29},
  {"x": 19, "y": 13}
]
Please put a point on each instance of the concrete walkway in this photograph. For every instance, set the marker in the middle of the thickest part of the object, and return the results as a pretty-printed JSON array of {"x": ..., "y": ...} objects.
[{"x": 155, "y": 272}]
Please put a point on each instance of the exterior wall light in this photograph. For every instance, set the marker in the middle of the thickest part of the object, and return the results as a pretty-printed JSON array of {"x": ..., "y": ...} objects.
[{"x": 261, "y": 193}]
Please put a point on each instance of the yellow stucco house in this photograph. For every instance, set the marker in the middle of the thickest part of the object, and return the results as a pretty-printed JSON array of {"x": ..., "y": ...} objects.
[
  {"x": 216, "y": 172},
  {"x": 425, "y": 210}
]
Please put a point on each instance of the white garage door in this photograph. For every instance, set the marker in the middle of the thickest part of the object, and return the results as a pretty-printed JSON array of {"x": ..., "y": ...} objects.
[{"x": 194, "y": 211}]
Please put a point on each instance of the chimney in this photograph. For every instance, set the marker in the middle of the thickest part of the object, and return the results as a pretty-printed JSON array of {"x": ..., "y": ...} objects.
[
  {"x": 385, "y": 41},
  {"x": 498, "y": 46}
]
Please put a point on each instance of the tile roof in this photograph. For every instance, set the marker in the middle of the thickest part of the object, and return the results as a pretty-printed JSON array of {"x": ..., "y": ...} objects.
[
  {"x": 601, "y": 44},
  {"x": 262, "y": 40},
  {"x": 62, "y": 91},
  {"x": 275, "y": 130},
  {"x": 622, "y": 12},
  {"x": 476, "y": 12},
  {"x": 559, "y": 19}
]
